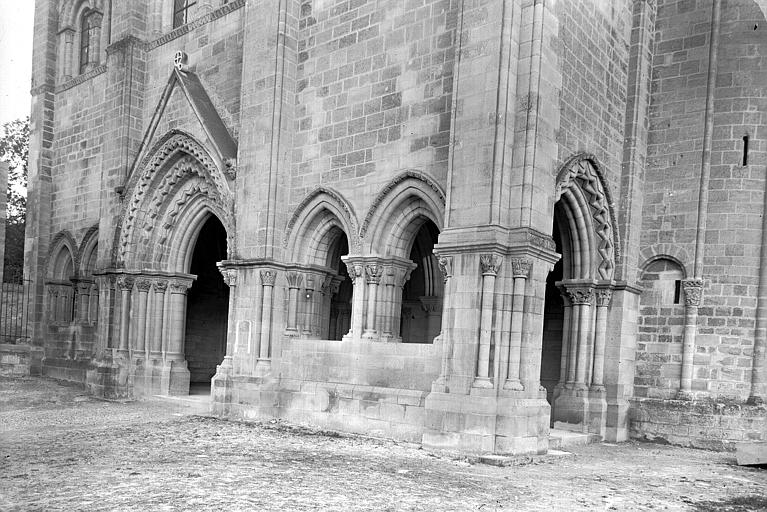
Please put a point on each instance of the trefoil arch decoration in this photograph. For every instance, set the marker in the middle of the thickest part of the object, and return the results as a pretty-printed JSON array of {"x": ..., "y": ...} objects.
[
  {"x": 62, "y": 240},
  {"x": 581, "y": 185}
]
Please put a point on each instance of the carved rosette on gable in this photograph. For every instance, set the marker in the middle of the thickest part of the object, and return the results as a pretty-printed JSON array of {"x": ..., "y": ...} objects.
[{"x": 178, "y": 179}]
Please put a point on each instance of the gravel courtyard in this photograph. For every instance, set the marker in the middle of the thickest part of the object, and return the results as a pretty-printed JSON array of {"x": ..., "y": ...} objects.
[{"x": 63, "y": 450}]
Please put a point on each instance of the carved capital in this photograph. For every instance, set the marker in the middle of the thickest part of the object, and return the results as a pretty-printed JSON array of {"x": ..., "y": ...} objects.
[
  {"x": 373, "y": 273},
  {"x": 489, "y": 264},
  {"x": 125, "y": 283},
  {"x": 445, "y": 266},
  {"x": 160, "y": 285},
  {"x": 327, "y": 285},
  {"x": 520, "y": 267},
  {"x": 143, "y": 284},
  {"x": 179, "y": 286},
  {"x": 354, "y": 270},
  {"x": 84, "y": 286},
  {"x": 581, "y": 294},
  {"x": 403, "y": 276},
  {"x": 268, "y": 277},
  {"x": 230, "y": 276},
  {"x": 693, "y": 291},
  {"x": 294, "y": 279},
  {"x": 603, "y": 297}
]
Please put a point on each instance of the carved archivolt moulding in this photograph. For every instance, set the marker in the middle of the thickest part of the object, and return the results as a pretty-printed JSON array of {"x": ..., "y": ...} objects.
[
  {"x": 179, "y": 157},
  {"x": 582, "y": 172}
]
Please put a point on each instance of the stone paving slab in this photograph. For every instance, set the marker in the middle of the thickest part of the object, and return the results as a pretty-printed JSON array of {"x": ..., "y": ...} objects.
[{"x": 61, "y": 450}]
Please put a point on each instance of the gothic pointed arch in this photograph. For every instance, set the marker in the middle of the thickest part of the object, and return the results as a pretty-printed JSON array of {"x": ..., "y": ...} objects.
[
  {"x": 71, "y": 9},
  {"x": 63, "y": 260},
  {"x": 179, "y": 173},
  {"x": 316, "y": 222},
  {"x": 87, "y": 252},
  {"x": 400, "y": 210},
  {"x": 586, "y": 219}
]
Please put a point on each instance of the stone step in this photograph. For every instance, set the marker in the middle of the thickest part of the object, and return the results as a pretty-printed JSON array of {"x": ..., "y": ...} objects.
[{"x": 560, "y": 439}]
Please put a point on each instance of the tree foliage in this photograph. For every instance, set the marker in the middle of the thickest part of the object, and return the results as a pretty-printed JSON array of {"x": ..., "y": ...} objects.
[{"x": 14, "y": 149}]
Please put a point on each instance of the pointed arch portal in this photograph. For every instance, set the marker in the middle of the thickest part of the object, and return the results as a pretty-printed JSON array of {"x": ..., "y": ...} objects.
[{"x": 578, "y": 293}]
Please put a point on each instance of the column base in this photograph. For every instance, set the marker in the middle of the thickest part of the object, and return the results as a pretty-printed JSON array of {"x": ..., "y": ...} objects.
[
  {"x": 513, "y": 385},
  {"x": 142, "y": 377},
  {"x": 263, "y": 367},
  {"x": 597, "y": 420},
  {"x": 221, "y": 389},
  {"x": 368, "y": 335},
  {"x": 174, "y": 378},
  {"x": 617, "y": 429},
  {"x": 109, "y": 377},
  {"x": 571, "y": 410},
  {"x": 482, "y": 383}
]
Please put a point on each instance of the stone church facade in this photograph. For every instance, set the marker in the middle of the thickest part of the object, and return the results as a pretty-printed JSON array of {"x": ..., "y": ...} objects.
[{"x": 459, "y": 223}]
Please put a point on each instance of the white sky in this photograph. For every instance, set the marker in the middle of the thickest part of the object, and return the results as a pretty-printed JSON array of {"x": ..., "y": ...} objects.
[{"x": 16, "y": 27}]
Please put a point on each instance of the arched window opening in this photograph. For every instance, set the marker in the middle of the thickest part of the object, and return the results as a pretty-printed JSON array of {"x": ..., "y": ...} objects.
[
  {"x": 421, "y": 314},
  {"x": 207, "y": 306},
  {"x": 61, "y": 294},
  {"x": 338, "y": 320},
  {"x": 660, "y": 330},
  {"x": 181, "y": 12},
  {"x": 90, "y": 32},
  {"x": 87, "y": 302}
]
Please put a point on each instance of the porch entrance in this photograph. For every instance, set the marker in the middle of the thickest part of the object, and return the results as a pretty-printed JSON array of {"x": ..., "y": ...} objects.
[{"x": 207, "y": 308}]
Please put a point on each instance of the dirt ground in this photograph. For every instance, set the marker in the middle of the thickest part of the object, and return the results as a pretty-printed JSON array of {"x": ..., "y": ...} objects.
[{"x": 63, "y": 450}]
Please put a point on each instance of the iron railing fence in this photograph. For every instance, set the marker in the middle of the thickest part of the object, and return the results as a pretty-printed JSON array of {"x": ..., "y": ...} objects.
[{"x": 15, "y": 309}]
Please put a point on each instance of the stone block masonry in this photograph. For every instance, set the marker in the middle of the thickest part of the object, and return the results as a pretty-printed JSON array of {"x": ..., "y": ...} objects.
[{"x": 447, "y": 221}]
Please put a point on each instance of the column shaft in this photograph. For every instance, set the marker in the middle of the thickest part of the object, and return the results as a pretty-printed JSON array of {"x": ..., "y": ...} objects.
[
  {"x": 693, "y": 293},
  {"x": 600, "y": 338},
  {"x": 489, "y": 265},
  {"x": 160, "y": 286},
  {"x": 125, "y": 284},
  {"x": 515, "y": 336}
]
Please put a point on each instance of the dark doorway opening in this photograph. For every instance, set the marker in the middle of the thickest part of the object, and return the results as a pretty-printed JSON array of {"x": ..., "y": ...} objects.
[
  {"x": 421, "y": 318},
  {"x": 339, "y": 319},
  {"x": 207, "y": 307},
  {"x": 553, "y": 326}
]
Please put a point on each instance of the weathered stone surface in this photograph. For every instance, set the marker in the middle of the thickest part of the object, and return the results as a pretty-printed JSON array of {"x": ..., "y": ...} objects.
[{"x": 446, "y": 222}]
